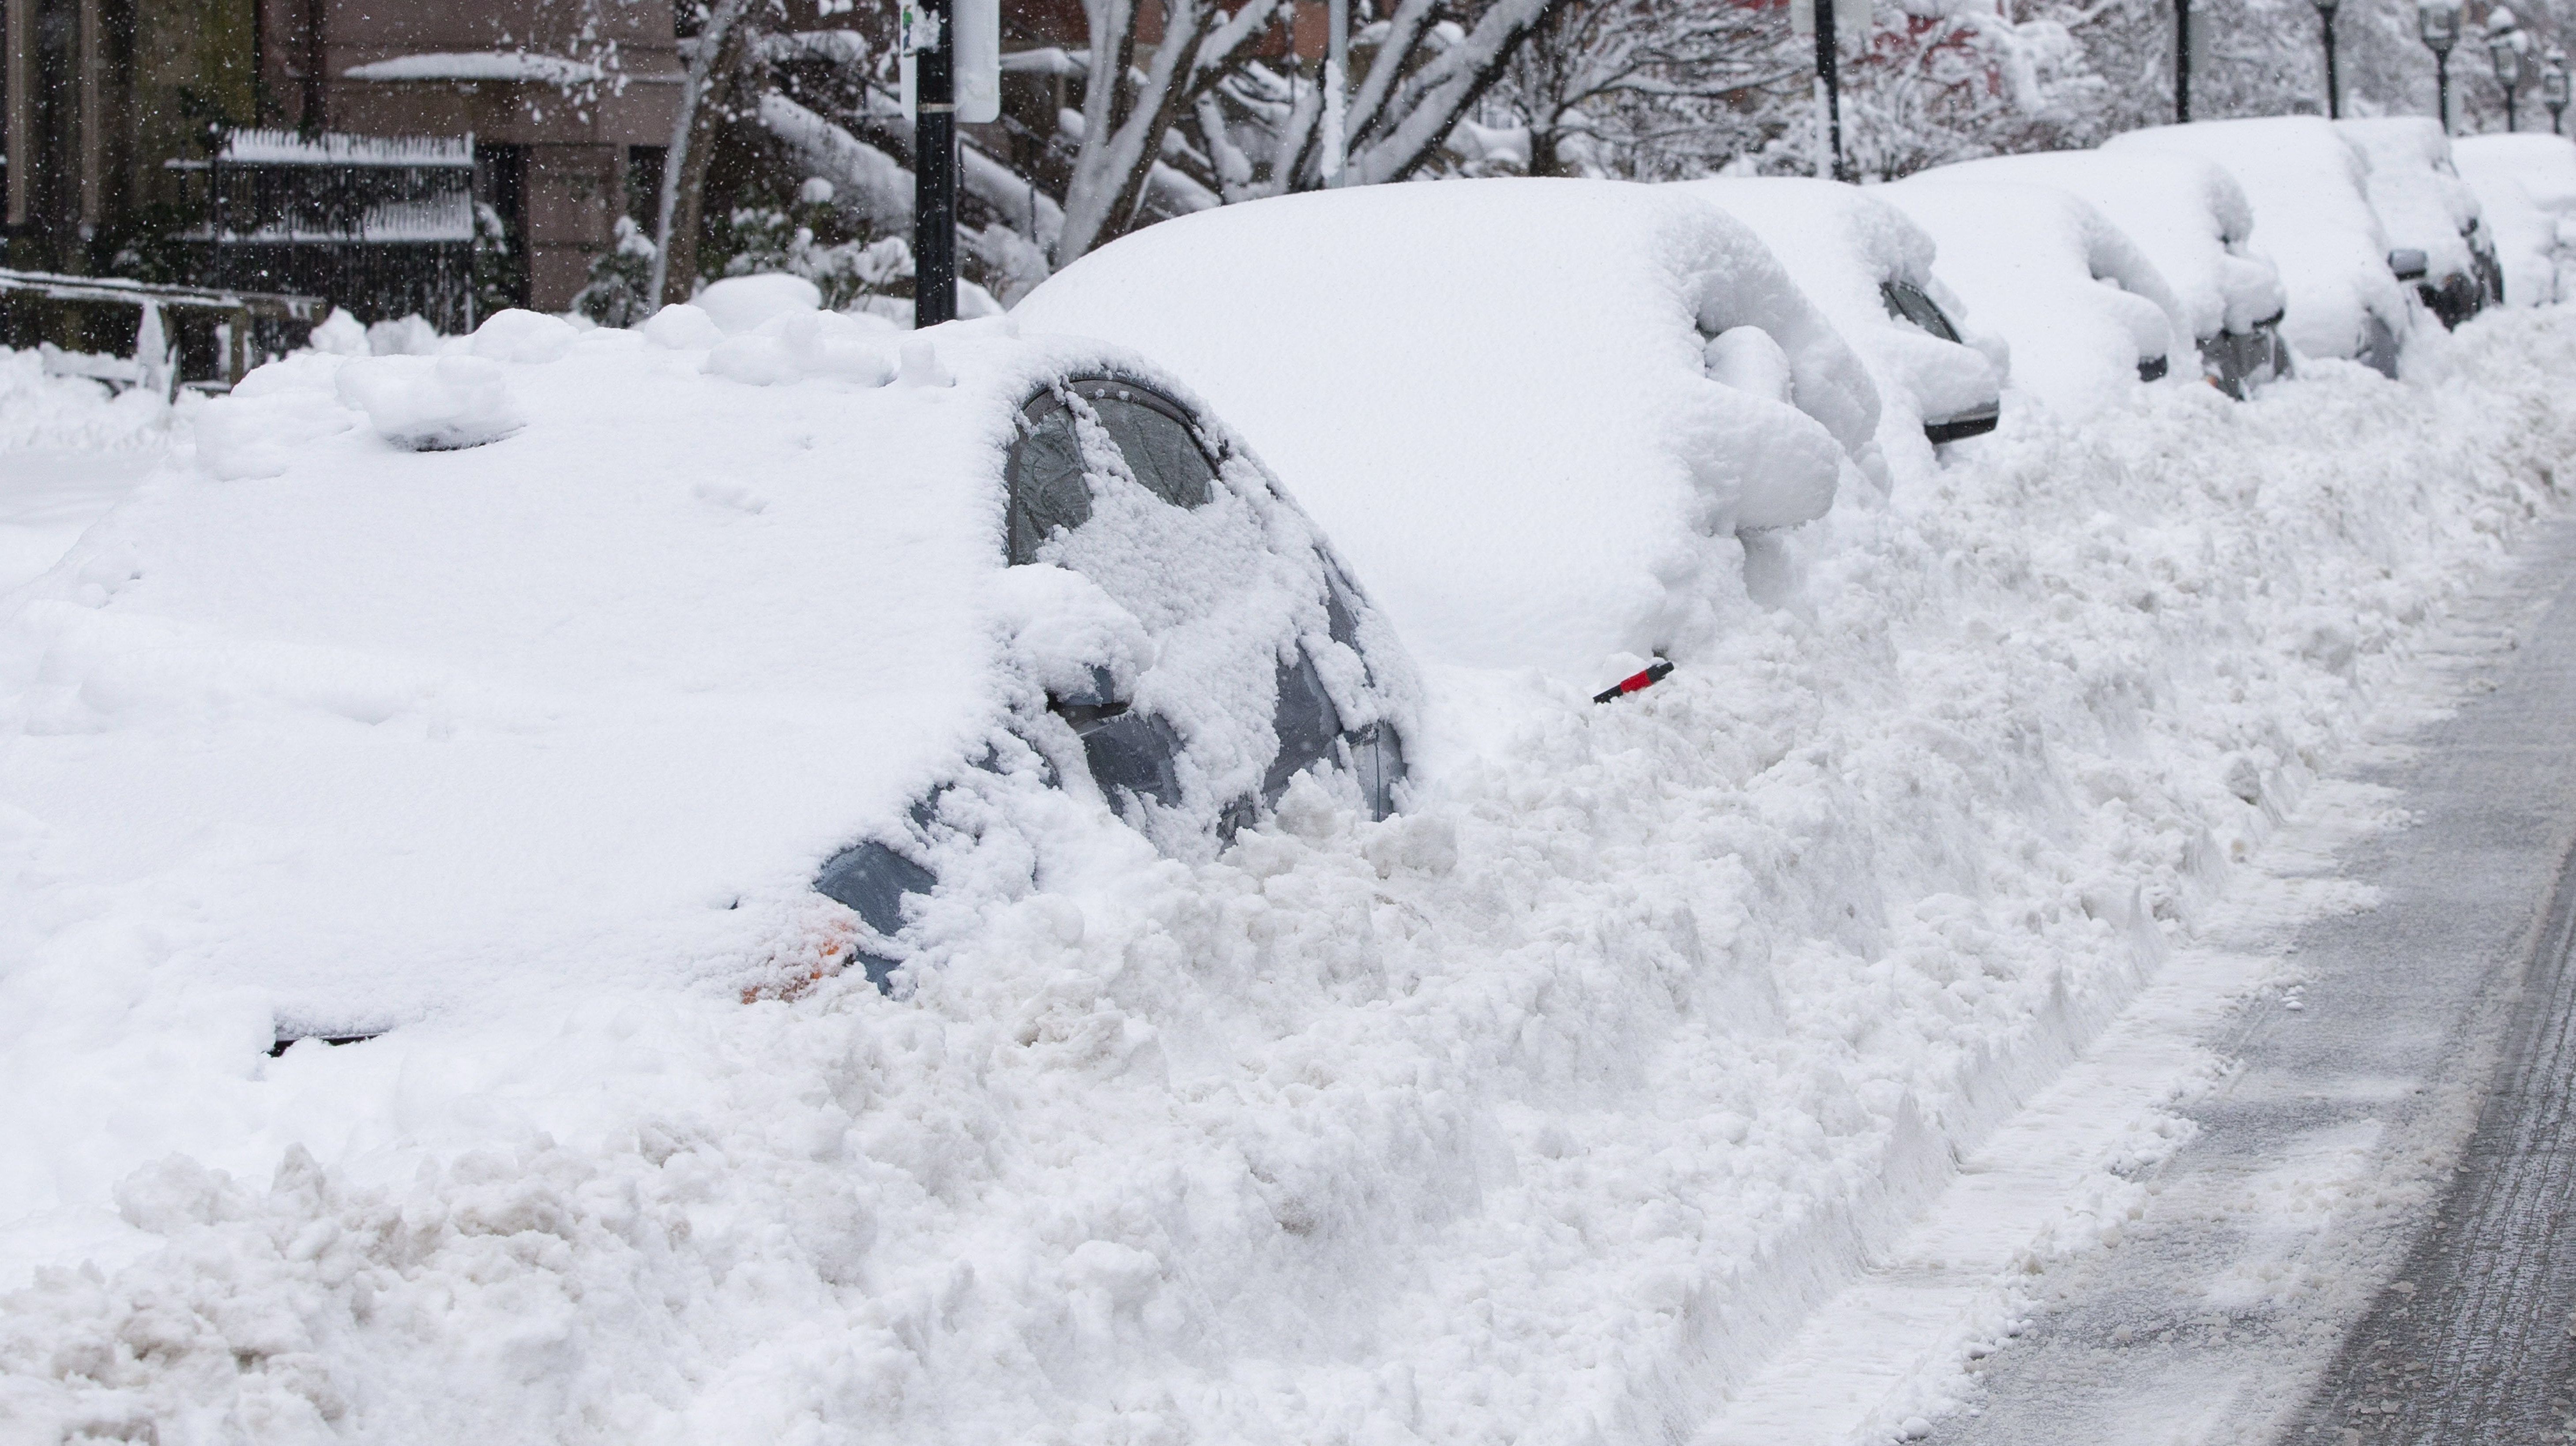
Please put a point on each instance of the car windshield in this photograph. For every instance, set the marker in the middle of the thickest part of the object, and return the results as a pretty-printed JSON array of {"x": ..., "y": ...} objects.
[{"x": 1906, "y": 302}]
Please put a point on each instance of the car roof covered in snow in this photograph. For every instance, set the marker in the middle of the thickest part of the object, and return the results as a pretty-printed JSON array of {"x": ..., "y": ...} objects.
[
  {"x": 2420, "y": 198},
  {"x": 2312, "y": 215},
  {"x": 1492, "y": 394},
  {"x": 2187, "y": 214},
  {"x": 353, "y": 732},
  {"x": 1841, "y": 244},
  {"x": 2031, "y": 261}
]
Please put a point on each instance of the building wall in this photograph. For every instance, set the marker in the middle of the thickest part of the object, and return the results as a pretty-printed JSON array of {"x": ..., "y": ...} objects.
[
  {"x": 96, "y": 95},
  {"x": 577, "y": 144}
]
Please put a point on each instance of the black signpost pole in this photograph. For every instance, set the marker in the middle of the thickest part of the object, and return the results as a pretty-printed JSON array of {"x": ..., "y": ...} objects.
[{"x": 934, "y": 169}]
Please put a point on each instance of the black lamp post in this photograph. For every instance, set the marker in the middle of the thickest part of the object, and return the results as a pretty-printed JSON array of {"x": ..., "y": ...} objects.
[
  {"x": 2553, "y": 86},
  {"x": 2505, "y": 46},
  {"x": 2334, "y": 92},
  {"x": 2438, "y": 22}
]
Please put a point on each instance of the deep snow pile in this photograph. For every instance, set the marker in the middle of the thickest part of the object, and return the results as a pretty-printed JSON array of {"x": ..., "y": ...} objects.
[
  {"x": 42, "y": 410},
  {"x": 1527, "y": 1117}
]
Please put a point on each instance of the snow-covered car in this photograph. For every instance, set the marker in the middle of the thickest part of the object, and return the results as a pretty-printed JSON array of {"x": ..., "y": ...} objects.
[
  {"x": 1869, "y": 269},
  {"x": 2426, "y": 207},
  {"x": 1550, "y": 421},
  {"x": 2526, "y": 186},
  {"x": 2309, "y": 187},
  {"x": 2087, "y": 316},
  {"x": 2193, "y": 223},
  {"x": 596, "y": 662}
]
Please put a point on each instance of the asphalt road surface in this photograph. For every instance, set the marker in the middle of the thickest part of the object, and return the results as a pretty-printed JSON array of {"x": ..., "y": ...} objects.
[{"x": 2370, "y": 1240}]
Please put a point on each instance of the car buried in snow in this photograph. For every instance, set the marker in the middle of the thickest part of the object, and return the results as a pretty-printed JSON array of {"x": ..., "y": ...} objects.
[
  {"x": 2428, "y": 210},
  {"x": 2087, "y": 316},
  {"x": 680, "y": 658},
  {"x": 1870, "y": 270},
  {"x": 2309, "y": 187},
  {"x": 1558, "y": 424},
  {"x": 2192, "y": 221}
]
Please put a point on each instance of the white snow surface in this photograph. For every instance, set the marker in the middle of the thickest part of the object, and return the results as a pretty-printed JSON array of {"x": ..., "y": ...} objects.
[
  {"x": 1517, "y": 444},
  {"x": 2420, "y": 198},
  {"x": 2187, "y": 215},
  {"x": 1840, "y": 244},
  {"x": 2526, "y": 185},
  {"x": 2312, "y": 215},
  {"x": 2081, "y": 305},
  {"x": 1538, "y": 1114}
]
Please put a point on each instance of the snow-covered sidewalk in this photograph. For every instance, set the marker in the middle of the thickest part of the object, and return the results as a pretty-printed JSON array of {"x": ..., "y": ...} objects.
[{"x": 1543, "y": 1113}]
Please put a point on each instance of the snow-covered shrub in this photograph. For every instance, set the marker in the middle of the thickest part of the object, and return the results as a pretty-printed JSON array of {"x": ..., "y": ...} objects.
[{"x": 621, "y": 279}]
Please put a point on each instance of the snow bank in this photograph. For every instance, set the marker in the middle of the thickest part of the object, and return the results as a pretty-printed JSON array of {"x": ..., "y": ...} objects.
[
  {"x": 1841, "y": 244},
  {"x": 1516, "y": 442},
  {"x": 2187, "y": 215},
  {"x": 40, "y": 410},
  {"x": 2309, "y": 188},
  {"x": 2526, "y": 185},
  {"x": 2086, "y": 313},
  {"x": 1532, "y": 1116}
]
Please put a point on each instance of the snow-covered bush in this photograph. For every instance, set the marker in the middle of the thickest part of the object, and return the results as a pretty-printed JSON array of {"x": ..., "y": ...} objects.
[{"x": 620, "y": 279}]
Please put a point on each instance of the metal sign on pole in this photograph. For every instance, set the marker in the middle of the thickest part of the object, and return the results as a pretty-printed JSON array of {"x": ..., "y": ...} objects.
[{"x": 951, "y": 70}]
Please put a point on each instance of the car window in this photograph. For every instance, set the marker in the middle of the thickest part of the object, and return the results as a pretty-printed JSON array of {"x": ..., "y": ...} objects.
[
  {"x": 1048, "y": 490},
  {"x": 1157, "y": 445},
  {"x": 1906, "y": 302}
]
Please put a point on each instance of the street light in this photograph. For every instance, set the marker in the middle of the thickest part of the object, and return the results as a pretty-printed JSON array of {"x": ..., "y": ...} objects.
[
  {"x": 2334, "y": 94},
  {"x": 2553, "y": 86},
  {"x": 2438, "y": 21},
  {"x": 2507, "y": 48}
]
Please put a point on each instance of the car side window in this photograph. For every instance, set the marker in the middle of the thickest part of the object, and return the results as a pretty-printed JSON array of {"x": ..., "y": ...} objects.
[
  {"x": 1907, "y": 302},
  {"x": 1048, "y": 489}
]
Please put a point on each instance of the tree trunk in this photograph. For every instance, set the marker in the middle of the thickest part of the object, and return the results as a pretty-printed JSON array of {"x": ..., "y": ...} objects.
[{"x": 723, "y": 46}]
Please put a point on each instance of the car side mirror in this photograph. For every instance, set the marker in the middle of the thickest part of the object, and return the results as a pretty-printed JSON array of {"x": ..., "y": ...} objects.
[{"x": 2408, "y": 263}]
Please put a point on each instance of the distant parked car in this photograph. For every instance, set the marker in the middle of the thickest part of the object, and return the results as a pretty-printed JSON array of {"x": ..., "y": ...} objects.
[
  {"x": 2526, "y": 185},
  {"x": 2193, "y": 223},
  {"x": 1870, "y": 269},
  {"x": 2426, "y": 207},
  {"x": 724, "y": 660},
  {"x": 2312, "y": 214},
  {"x": 2087, "y": 315},
  {"x": 1555, "y": 423}
]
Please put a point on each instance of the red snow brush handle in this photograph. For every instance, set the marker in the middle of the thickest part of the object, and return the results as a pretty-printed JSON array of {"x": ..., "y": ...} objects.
[{"x": 1635, "y": 682}]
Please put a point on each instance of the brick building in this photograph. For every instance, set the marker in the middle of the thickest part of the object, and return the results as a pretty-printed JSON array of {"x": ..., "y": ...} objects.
[{"x": 570, "y": 103}]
